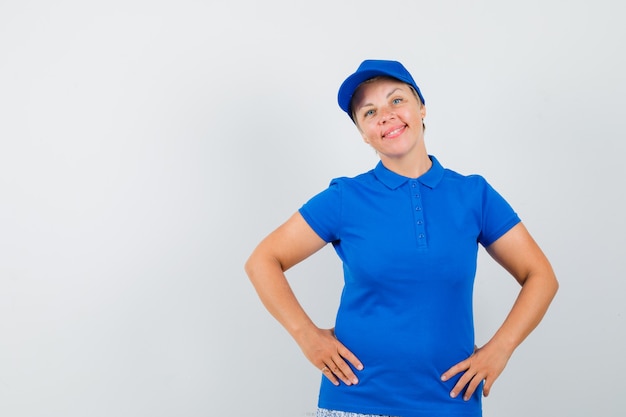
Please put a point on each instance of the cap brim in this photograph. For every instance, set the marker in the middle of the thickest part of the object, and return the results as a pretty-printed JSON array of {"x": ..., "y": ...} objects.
[{"x": 349, "y": 86}]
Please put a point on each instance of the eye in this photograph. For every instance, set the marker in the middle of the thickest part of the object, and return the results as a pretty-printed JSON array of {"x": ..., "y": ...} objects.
[
  {"x": 397, "y": 100},
  {"x": 368, "y": 113}
]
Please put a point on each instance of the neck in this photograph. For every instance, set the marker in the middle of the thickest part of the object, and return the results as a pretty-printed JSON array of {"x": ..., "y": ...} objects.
[{"x": 409, "y": 167}]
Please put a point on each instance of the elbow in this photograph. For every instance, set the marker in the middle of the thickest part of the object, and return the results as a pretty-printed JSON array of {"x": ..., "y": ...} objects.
[
  {"x": 260, "y": 264},
  {"x": 252, "y": 270},
  {"x": 544, "y": 282},
  {"x": 555, "y": 284},
  {"x": 250, "y": 266},
  {"x": 550, "y": 284}
]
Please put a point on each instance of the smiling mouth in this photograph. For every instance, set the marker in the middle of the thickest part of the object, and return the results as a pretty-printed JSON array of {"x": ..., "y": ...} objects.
[{"x": 393, "y": 133}]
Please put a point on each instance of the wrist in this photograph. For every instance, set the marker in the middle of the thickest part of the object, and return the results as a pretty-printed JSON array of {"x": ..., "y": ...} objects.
[
  {"x": 504, "y": 344},
  {"x": 302, "y": 331}
]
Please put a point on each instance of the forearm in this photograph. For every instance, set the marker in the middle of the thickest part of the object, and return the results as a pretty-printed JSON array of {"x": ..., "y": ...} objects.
[
  {"x": 533, "y": 301},
  {"x": 288, "y": 245},
  {"x": 487, "y": 362},
  {"x": 519, "y": 254},
  {"x": 320, "y": 347},
  {"x": 270, "y": 283}
]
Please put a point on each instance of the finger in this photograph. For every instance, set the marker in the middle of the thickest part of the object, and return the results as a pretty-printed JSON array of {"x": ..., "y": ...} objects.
[
  {"x": 471, "y": 387},
  {"x": 487, "y": 387},
  {"x": 343, "y": 371},
  {"x": 350, "y": 357},
  {"x": 461, "y": 384},
  {"x": 456, "y": 369},
  {"x": 329, "y": 374}
]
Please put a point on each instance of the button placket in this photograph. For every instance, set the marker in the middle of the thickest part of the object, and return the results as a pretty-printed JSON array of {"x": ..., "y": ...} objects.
[{"x": 418, "y": 214}]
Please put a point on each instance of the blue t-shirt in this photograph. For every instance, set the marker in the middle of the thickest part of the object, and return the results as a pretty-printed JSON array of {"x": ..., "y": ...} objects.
[{"x": 409, "y": 249}]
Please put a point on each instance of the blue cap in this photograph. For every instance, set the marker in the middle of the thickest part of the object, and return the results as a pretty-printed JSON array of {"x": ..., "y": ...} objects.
[{"x": 371, "y": 68}]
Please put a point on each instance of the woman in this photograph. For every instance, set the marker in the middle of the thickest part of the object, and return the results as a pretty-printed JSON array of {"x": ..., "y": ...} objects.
[{"x": 408, "y": 234}]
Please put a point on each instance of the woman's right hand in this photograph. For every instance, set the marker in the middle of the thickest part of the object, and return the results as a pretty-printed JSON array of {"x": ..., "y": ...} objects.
[{"x": 329, "y": 355}]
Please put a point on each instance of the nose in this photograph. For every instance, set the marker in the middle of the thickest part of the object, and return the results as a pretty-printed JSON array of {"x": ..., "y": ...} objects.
[{"x": 386, "y": 114}]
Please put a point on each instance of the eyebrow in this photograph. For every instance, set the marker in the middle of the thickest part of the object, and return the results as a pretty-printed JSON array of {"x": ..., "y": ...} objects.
[
  {"x": 393, "y": 91},
  {"x": 388, "y": 95}
]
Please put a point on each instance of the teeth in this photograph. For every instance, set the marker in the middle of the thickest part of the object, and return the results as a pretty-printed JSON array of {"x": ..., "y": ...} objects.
[{"x": 393, "y": 132}]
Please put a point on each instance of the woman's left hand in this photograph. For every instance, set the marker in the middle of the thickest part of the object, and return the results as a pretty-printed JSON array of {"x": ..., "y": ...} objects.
[{"x": 486, "y": 363}]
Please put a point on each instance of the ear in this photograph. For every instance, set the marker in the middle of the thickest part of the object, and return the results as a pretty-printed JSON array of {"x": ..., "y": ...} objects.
[{"x": 423, "y": 111}]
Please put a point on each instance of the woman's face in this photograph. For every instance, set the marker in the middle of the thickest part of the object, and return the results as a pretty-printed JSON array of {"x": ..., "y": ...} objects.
[{"x": 389, "y": 116}]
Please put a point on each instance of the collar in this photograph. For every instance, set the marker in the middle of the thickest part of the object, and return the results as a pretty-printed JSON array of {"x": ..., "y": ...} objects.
[{"x": 430, "y": 178}]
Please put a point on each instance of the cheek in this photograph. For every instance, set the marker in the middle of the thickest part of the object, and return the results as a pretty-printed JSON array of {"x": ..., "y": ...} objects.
[
  {"x": 363, "y": 132},
  {"x": 368, "y": 136},
  {"x": 370, "y": 131}
]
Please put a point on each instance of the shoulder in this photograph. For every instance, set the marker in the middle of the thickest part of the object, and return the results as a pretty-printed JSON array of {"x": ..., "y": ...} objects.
[
  {"x": 339, "y": 187},
  {"x": 440, "y": 176},
  {"x": 472, "y": 188},
  {"x": 363, "y": 178},
  {"x": 472, "y": 181}
]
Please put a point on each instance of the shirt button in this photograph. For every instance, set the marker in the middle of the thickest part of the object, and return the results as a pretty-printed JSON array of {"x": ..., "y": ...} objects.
[
  {"x": 421, "y": 236},
  {"x": 418, "y": 208},
  {"x": 419, "y": 222}
]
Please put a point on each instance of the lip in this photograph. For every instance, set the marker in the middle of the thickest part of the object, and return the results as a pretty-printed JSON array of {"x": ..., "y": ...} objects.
[{"x": 394, "y": 132}]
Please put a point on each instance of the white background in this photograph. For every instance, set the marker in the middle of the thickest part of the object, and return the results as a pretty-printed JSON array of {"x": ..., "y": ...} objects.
[{"x": 147, "y": 146}]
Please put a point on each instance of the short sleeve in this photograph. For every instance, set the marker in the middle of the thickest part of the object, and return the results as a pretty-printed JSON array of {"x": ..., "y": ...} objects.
[
  {"x": 498, "y": 217},
  {"x": 323, "y": 212}
]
